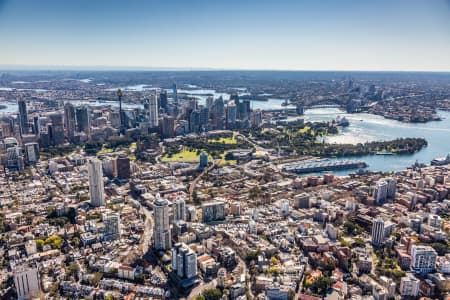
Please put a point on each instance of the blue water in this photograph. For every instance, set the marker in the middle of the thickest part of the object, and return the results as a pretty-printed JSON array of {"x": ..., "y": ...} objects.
[{"x": 366, "y": 127}]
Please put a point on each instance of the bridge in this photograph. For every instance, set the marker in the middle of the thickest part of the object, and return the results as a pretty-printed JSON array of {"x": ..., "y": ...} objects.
[
  {"x": 321, "y": 106},
  {"x": 294, "y": 110}
]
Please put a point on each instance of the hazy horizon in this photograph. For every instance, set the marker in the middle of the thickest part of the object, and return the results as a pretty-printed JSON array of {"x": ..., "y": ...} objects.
[{"x": 327, "y": 35}]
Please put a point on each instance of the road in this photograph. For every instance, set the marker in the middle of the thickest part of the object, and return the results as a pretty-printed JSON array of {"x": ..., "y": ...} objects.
[
  {"x": 200, "y": 288},
  {"x": 146, "y": 237},
  {"x": 193, "y": 184}
]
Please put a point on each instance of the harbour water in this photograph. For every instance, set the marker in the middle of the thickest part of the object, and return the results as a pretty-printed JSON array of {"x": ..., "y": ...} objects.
[{"x": 366, "y": 127}]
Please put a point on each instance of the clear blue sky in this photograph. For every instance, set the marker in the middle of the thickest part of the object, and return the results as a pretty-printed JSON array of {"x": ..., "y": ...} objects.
[{"x": 228, "y": 34}]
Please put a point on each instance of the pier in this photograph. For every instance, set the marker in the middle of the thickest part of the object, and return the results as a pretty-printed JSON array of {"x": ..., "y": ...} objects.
[{"x": 319, "y": 166}]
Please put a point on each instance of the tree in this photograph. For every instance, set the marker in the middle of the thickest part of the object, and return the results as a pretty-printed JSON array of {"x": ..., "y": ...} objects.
[
  {"x": 352, "y": 228},
  {"x": 109, "y": 297},
  {"x": 358, "y": 243},
  {"x": 195, "y": 197},
  {"x": 73, "y": 269},
  {"x": 212, "y": 294},
  {"x": 321, "y": 285},
  {"x": 76, "y": 241},
  {"x": 40, "y": 244},
  {"x": 54, "y": 241},
  {"x": 441, "y": 248}
]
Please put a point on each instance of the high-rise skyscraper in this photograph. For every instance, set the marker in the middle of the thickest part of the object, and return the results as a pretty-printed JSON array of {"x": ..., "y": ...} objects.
[
  {"x": 31, "y": 152},
  {"x": 57, "y": 129},
  {"x": 204, "y": 117},
  {"x": 168, "y": 126},
  {"x": 96, "y": 189},
  {"x": 231, "y": 114},
  {"x": 161, "y": 230},
  {"x": 123, "y": 167},
  {"x": 219, "y": 113},
  {"x": 194, "y": 121},
  {"x": 179, "y": 212},
  {"x": 69, "y": 120},
  {"x": 36, "y": 125},
  {"x": 152, "y": 111},
  {"x": 82, "y": 116},
  {"x": 163, "y": 100},
  {"x": 175, "y": 94},
  {"x": 381, "y": 192},
  {"x": 184, "y": 261},
  {"x": 26, "y": 280},
  {"x": 112, "y": 226},
  {"x": 23, "y": 116},
  {"x": 378, "y": 232}
]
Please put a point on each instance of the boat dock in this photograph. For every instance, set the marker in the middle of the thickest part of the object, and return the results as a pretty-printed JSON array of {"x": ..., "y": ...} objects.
[{"x": 319, "y": 166}]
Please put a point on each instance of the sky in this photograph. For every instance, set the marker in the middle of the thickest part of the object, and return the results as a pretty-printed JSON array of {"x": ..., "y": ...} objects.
[{"x": 391, "y": 35}]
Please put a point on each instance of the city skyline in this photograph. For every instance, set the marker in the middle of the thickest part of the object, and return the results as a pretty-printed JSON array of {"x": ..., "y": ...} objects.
[{"x": 264, "y": 35}]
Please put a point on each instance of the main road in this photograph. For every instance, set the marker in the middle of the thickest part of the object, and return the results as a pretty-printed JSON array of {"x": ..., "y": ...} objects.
[{"x": 146, "y": 237}]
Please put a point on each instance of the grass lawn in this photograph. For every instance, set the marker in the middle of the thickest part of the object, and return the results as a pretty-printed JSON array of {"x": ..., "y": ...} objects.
[
  {"x": 224, "y": 162},
  {"x": 304, "y": 129},
  {"x": 105, "y": 150},
  {"x": 228, "y": 140},
  {"x": 184, "y": 156}
]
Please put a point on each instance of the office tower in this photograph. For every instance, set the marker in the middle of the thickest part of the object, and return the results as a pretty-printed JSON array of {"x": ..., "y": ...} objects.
[
  {"x": 302, "y": 201},
  {"x": 392, "y": 188},
  {"x": 409, "y": 286},
  {"x": 163, "y": 100},
  {"x": 378, "y": 232},
  {"x": 152, "y": 111},
  {"x": 179, "y": 212},
  {"x": 184, "y": 261},
  {"x": 219, "y": 113},
  {"x": 234, "y": 98},
  {"x": 23, "y": 116},
  {"x": 161, "y": 229},
  {"x": 36, "y": 125},
  {"x": 381, "y": 192},
  {"x": 204, "y": 117},
  {"x": 231, "y": 114},
  {"x": 69, "y": 120},
  {"x": 82, "y": 116},
  {"x": 32, "y": 152},
  {"x": 244, "y": 110},
  {"x": 114, "y": 119},
  {"x": 175, "y": 94},
  {"x": 26, "y": 281},
  {"x": 423, "y": 259},
  {"x": 14, "y": 158},
  {"x": 109, "y": 166},
  {"x": 123, "y": 167},
  {"x": 213, "y": 211},
  {"x": 209, "y": 102},
  {"x": 203, "y": 160},
  {"x": 111, "y": 224},
  {"x": 168, "y": 126},
  {"x": 194, "y": 121},
  {"x": 57, "y": 129},
  {"x": 96, "y": 190},
  {"x": 256, "y": 118}
]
